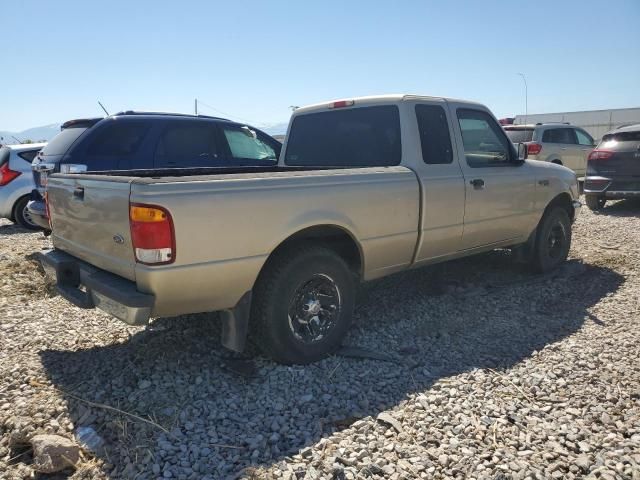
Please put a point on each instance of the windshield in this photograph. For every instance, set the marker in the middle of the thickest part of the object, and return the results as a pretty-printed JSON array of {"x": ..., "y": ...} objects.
[
  {"x": 520, "y": 135},
  {"x": 61, "y": 142}
]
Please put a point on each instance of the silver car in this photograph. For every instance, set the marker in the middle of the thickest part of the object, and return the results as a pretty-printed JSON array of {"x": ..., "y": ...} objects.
[
  {"x": 559, "y": 143},
  {"x": 16, "y": 182}
]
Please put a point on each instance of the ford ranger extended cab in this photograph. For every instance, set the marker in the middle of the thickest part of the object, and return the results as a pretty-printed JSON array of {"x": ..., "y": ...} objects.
[{"x": 363, "y": 188}]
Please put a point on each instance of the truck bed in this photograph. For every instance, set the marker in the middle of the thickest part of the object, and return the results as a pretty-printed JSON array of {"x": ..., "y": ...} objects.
[{"x": 228, "y": 221}]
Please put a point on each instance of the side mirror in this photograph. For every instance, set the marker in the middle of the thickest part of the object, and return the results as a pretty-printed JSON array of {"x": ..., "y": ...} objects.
[
  {"x": 522, "y": 151},
  {"x": 249, "y": 133}
]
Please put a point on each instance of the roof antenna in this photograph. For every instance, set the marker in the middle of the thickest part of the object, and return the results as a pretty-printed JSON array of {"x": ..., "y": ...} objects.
[
  {"x": 17, "y": 139},
  {"x": 102, "y": 107}
]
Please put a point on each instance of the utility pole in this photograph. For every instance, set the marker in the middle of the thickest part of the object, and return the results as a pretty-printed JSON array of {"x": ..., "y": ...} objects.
[
  {"x": 196, "y": 106},
  {"x": 526, "y": 98}
]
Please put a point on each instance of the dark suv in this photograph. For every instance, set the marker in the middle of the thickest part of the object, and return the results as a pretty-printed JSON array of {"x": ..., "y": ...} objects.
[
  {"x": 143, "y": 140},
  {"x": 613, "y": 169}
]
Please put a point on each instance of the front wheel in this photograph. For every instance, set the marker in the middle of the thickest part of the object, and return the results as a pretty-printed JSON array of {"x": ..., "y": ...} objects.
[
  {"x": 595, "y": 202},
  {"x": 22, "y": 216},
  {"x": 553, "y": 240},
  {"x": 303, "y": 304}
]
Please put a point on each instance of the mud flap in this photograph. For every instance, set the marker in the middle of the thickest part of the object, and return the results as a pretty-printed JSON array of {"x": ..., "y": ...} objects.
[{"x": 235, "y": 324}]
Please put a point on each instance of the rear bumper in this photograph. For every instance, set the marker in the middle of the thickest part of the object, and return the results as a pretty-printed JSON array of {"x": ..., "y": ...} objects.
[
  {"x": 38, "y": 213},
  {"x": 89, "y": 287},
  {"x": 611, "y": 188}
]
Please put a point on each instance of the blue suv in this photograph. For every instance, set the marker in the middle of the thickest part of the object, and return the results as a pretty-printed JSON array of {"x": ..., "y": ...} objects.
[{"x": 143, "y": 140}]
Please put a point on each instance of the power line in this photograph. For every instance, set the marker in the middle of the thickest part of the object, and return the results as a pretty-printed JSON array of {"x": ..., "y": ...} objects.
[{"x": 201, "y": 103}]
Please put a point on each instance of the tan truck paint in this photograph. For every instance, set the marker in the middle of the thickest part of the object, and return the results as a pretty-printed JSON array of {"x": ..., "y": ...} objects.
[{"x": 226, "y": 226}]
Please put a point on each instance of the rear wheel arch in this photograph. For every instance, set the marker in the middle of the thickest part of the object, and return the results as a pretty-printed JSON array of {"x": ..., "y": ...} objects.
[
  {"x": 333, "y": 237},
  {"x": 557, "y": 161}
]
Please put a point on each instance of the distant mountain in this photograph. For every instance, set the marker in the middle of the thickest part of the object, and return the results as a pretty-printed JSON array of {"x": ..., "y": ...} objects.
[
  {"x": 46, "y": 132},
  {"x": 275, "y": 128}
]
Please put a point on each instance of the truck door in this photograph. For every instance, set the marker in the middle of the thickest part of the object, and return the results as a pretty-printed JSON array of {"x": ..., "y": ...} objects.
[
  {"x": 441, "y": 181},
  {"x": 500, "y": 191}
]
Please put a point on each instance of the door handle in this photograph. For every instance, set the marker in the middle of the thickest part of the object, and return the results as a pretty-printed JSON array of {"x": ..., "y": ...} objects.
[
  {"x": 477, "y": 183},
  {"x": 543, "y": 183},
  {"x": 78, "y": 193}
]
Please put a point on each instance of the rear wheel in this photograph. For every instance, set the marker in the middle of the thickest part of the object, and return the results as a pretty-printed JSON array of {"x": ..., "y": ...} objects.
[
  {"x": 22, "y": 216},
  {"x": 595, "y": 202},
  {"x": 303, "y": 304},
  {"x": 553, "y": 240}
]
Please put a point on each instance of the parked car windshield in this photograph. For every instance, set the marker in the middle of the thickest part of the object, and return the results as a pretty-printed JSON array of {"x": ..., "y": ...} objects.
[
  {"x": 519, "y": 135},
  {"x": 356, "y": 137},
  {"x": 61, "y": 142}
]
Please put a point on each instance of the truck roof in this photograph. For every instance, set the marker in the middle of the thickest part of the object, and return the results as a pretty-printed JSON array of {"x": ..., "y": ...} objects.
[{"x": 379, "y": 100}]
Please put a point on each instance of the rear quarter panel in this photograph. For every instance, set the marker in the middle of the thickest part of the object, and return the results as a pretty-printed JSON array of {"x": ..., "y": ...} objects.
[{"x": 226, "y": 228}]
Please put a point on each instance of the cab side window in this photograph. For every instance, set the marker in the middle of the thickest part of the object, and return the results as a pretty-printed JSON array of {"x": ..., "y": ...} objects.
[
  {"x": 584, "y": 138},
  {"x": 247, "y": 144},
  {"x": 485, "y": 143},
  {"x": 29, "y": 155},
  {"x": 559, "y": 135},
  {"x": 118, "y": 139},
  {"x": 187, "y": 144},
  {"x": 115, "y": 146},
  {"x": 434, "y": 134}
]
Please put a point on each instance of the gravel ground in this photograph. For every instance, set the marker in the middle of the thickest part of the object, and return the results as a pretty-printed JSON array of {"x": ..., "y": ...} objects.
[{"x": 484, "y": 371}]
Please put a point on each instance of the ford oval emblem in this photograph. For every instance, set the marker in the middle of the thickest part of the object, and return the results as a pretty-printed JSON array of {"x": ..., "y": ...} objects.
[{"x": 119, "y": 239}]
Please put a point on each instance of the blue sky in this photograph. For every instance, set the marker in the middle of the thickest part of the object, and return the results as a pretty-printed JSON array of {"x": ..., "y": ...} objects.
[{"x": 252, "y": 60}]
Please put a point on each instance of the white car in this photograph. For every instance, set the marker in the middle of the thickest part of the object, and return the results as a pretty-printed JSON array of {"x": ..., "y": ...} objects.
[
  {"x": 559, "y": 143},
  {"x": 16, "y": 182}
]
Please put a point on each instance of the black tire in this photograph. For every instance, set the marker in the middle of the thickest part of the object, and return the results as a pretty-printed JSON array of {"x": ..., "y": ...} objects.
[
  {"x": 595, "y": 202},
  {"x": 285, "y": 290},
  {"x": 21, "y": 215},
  {"x": 553, "y": 240}
]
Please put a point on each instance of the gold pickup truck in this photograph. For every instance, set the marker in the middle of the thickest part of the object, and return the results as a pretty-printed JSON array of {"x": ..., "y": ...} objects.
[{"x": 364, "y": 188}]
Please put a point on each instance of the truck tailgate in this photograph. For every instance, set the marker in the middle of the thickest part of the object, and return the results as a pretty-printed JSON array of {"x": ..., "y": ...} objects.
[{"x": 90, "y": 219}]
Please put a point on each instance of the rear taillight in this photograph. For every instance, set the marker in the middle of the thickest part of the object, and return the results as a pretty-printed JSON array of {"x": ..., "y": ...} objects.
[
  {"x": 7, "y": 175},
  {"x": 597, "y": 155},
  {"x": 533, "y": 148},
  {"x": 152, "y": 234}
]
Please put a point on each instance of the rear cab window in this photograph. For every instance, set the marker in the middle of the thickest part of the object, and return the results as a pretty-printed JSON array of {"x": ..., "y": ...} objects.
[
  {"x": 353, "y": 137},
  {"x": 519, "y": 135}
]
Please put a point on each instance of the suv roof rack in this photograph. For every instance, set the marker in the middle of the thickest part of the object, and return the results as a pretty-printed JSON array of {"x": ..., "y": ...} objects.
[
  {"x": 553, "y": 123},
  {"x": 168, "y": 114}
]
